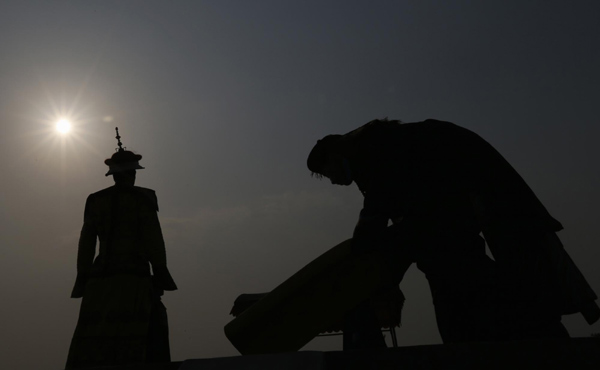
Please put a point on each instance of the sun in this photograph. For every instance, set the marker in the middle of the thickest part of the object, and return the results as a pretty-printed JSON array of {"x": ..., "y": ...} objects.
[{"x": 63, "y": 126}]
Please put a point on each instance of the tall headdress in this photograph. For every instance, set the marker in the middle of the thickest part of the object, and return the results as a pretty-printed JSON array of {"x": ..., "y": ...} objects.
[{"x": 123, "y": 160}]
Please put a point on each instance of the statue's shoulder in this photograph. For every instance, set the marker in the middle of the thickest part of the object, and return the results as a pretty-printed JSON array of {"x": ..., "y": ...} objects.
[
  {"x": 96, "y": 201},
  {"x": 436, "y": 123},
  {"x": 433, "y": 120},
  {"x": 149, "y": 195},
  {"x": 102, "y": 193}
]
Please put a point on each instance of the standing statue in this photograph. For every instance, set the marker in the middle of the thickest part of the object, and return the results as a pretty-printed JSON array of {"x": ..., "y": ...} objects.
[
  {"x": 122, "y": 319},
  {"x": 442, "y": 186}
]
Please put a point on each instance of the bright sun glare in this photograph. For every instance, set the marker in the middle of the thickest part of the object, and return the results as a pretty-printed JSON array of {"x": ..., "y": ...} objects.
[
  {"x": 61, "y": 130},
  {"x": 63, "y": 126}
]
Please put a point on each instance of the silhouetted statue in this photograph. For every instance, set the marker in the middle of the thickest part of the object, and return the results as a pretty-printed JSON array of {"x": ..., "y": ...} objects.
[
  {"x": 122, "y": 319},
  {"x": 442, "y": 185}
]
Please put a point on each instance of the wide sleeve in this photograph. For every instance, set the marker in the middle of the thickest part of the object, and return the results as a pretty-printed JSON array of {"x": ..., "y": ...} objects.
[
  {"x": 86, "y": 249},
  {"x": 386, "y": 197},
  {"x": 372, "y": 222}
]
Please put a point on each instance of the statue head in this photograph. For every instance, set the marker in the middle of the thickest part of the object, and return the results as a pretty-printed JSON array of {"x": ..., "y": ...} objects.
[
  {"x": 325, "y": 159},
  {"x": 123, "y": 163}
]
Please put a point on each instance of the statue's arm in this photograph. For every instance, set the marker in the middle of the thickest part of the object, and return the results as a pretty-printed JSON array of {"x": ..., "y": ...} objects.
[
  {"x": 154, "y": 243},
  {"x": 86, "y": 249}
]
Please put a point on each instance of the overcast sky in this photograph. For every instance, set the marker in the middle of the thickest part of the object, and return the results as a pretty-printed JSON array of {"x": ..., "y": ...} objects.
[{"x": 224, "y": 100}]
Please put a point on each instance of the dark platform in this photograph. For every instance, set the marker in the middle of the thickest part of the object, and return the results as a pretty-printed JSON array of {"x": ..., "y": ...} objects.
[{"x": 579, "y": 353}]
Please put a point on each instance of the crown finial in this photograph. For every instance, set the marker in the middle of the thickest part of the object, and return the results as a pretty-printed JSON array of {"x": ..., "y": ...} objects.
[{"x": 118, "y": 137}]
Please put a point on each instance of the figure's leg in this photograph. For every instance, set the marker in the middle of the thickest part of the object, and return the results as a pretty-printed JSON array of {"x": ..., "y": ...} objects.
[
  {"x": 465, "y": 301},
  {"x": 361, "y": 329}
]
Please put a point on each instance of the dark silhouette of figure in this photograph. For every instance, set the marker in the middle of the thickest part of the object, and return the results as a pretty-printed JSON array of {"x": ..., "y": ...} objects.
[
  {"x": 443, "y": 186},
  {"x": 122, "y": 319}
]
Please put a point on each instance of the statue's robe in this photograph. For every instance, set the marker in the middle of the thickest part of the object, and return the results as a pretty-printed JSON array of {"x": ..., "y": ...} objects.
[
  {"x": 122, "y": 319},
  {"x": 444, "y": 187}
]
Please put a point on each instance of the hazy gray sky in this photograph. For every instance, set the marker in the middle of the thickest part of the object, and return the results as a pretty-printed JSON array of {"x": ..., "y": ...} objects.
[{"x": 224, "y": 100}]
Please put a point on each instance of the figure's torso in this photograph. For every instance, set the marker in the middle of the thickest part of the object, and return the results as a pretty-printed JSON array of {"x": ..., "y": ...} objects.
[{"x": 116, "y": 213}]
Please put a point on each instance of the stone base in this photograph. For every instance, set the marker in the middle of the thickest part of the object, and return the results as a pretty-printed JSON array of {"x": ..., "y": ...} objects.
[{"x": 579, "y": 353}]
